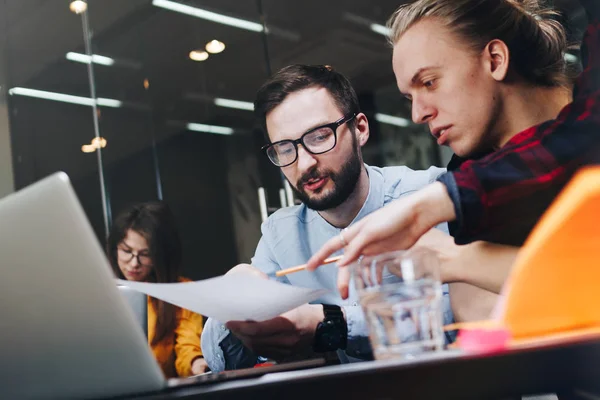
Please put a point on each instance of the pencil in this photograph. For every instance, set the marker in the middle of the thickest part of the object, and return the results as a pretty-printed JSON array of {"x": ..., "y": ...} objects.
[{"x": 303, "y": 266}]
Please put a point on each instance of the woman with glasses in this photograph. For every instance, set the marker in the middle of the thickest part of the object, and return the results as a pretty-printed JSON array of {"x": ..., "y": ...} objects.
[{"x": 144, "y": 246}]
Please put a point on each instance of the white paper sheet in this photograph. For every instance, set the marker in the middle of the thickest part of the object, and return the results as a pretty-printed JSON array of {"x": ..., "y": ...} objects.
[{"x": 235, "y": 297}]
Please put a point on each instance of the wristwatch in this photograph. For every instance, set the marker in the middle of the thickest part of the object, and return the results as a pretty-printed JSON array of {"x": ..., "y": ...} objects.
[{"x": 332, "y": 332}]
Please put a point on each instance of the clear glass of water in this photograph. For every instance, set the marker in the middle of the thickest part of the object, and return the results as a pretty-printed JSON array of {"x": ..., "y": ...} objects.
[{"x": 401, "y": 296}]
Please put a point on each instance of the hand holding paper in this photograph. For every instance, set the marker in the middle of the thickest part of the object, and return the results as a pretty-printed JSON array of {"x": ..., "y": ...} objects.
[{"x": 291, "y": 334}]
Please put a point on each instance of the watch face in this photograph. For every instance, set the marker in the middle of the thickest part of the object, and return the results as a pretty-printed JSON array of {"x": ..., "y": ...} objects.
[{"x": 329, "y": 336}]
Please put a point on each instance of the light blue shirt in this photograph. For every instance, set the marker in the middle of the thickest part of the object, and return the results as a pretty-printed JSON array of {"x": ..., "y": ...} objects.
[{"x": 290, "y": 237}]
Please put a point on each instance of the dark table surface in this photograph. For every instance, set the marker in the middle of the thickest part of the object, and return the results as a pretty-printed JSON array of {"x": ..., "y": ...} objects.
[{"x": 570, "y": 369}]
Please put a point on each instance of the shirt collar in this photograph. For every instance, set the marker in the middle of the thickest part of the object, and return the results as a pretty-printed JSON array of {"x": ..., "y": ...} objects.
[{"x": 375, "y": 198}]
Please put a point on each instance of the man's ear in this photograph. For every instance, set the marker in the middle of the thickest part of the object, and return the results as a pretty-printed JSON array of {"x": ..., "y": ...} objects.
[
  {"x": 497, "y": 59},
  {"x": 361, "y": 129}
]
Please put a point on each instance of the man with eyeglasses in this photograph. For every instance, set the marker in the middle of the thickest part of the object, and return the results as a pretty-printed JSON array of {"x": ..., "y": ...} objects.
[{"x": 315, "y": 132}]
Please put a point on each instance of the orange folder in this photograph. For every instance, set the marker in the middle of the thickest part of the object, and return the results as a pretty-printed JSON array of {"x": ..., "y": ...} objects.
[
  {"x": 553, "y": 291},
  {"x": 555, "y": 283}
]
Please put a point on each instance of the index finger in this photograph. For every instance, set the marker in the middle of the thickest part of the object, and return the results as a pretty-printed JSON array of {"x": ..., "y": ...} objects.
[{"x": 331, "y": 246}]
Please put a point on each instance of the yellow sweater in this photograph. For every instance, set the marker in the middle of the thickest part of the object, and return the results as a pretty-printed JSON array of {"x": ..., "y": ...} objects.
[{"x": 175, "y": 353}]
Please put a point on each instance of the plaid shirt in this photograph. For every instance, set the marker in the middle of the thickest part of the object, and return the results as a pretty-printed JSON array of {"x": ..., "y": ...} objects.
[{"x": 501, "y": 196}]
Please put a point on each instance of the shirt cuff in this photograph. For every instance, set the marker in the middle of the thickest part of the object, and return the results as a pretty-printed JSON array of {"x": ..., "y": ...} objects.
[
  {"x": 358, "y": 333},
  {"x": 212, "y": 335},
  {"x": 455, "y": 226}
]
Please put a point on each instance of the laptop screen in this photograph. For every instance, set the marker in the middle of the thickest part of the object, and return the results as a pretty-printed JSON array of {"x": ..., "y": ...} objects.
[{"x": 139, "y": 305}]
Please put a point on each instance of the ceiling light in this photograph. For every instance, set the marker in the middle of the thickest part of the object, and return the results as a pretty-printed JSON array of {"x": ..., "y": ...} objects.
[
  {"x": 88, "y": 148},
  {"x": 241, "y": 105},
  {"x": 391, "y": 120},
  {"x": 65, "y": 98},
  {"x": 198, "y": 55},
  {"x": 375, "y": 27},
  {"x": 78, "y": 6},
  {"x": 221, "y": 130},
  {"x": 214, "y": 46},
  {"x": 95, "y": 58},
  {"x": 208, "y": 15},
  {"x": 108, "y": 102},
  {"x": 98, "y": 142},
  {"x": 381, "y": 29}
]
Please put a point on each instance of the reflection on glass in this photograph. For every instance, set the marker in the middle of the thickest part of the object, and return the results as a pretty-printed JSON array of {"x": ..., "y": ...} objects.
[
  {"x": 85, "y": 59},
  {"x": 198, "y": 55},
  {"x": 208, "y": 15},
  {"x": 78, "y": 6},
  {"x": 215, "y": 47},
  {"x": 184, "y": 131}
]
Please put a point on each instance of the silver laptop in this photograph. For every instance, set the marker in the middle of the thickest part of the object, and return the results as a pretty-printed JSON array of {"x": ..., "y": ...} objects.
[
  {"x": 138, "y": 302},
  {"x": 66, "y": 330}
]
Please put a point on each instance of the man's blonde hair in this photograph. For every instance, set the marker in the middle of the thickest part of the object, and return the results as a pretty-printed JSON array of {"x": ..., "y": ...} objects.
[{"x": 536, "y": 40}]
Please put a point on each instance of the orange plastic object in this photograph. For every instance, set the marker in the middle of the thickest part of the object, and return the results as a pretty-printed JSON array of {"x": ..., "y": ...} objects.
[{"x": 555, "y": 283}]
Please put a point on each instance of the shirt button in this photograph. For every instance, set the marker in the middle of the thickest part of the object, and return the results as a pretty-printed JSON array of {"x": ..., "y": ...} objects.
[
  {"x": 355, "y": 304},
  {"x": 223, "y": 327}
]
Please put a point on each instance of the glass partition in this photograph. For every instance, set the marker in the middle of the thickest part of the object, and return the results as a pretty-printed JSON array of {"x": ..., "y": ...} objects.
[{"x": 145, "y": 100}]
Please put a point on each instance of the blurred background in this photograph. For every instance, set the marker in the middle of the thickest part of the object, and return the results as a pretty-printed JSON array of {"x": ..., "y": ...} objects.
[{"x": 140, "y": 100}]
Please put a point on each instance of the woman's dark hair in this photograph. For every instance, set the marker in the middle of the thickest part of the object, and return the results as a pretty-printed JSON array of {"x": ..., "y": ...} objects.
[{"x": 156, "y": 223}]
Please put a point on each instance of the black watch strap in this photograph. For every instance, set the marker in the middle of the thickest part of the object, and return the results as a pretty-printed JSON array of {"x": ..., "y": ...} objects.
[
  {"x": 332, "y": 332},
  {"x": 333, "y": 313}
]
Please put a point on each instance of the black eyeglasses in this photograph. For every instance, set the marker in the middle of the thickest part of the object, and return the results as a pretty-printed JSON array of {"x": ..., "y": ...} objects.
[
  {"x": 318, "y": 140},
  {"x": 126, "y": 255}
]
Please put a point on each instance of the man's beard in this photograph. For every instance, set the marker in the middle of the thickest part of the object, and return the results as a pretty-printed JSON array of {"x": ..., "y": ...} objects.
[{"x": 344, "y": 183}]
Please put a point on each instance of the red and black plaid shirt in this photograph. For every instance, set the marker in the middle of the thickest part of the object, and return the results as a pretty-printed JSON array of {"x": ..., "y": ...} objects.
[{"x": 501, "y": 196}]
